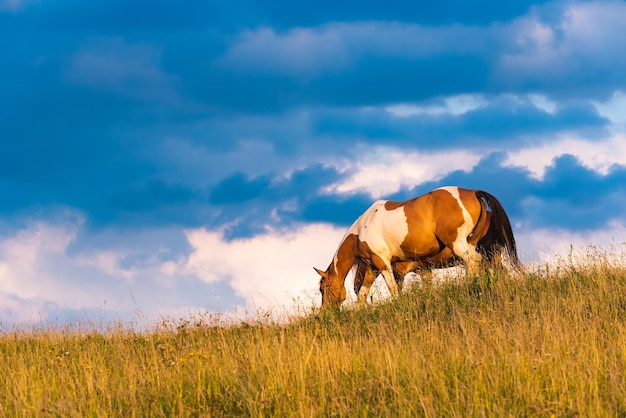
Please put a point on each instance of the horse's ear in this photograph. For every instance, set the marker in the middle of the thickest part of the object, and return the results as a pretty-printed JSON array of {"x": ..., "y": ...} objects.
[{"x": 320, "y": 272}]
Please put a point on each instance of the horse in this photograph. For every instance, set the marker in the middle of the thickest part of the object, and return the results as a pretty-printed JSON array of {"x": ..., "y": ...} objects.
[{"x": 433, "y": 230}]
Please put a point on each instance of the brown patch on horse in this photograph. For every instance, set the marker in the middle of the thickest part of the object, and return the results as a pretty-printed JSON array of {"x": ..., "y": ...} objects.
[
  {"x": 450, "y": 216},
  {"x": 438, "y": 212},
  {"x": 391, "y": 205}
]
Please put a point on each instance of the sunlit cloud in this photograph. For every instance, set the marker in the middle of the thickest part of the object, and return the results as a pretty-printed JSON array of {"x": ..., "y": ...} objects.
[
  {"x": 597, "y": 155},
  {"x": 390, "y": 170},
  {"x": 270, "y": 269}
]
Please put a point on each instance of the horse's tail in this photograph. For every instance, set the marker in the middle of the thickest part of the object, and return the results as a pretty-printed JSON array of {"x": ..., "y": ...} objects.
[{"x": 500, "y": 234}]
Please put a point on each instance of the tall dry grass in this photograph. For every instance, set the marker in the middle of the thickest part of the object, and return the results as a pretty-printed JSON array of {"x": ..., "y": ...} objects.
[{"x": 549, "y": 344}]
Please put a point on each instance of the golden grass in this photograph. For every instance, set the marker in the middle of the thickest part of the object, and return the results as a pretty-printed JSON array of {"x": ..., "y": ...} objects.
[{"x": 496, "y": 345}]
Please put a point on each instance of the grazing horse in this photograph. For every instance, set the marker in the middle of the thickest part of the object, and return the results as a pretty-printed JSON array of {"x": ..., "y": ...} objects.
[{"x": 433, "y": 230}]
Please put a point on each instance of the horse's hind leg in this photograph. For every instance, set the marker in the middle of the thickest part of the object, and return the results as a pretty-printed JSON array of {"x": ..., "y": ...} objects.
[
  {"x": 470, "y": 256},
  {"x": 390, "y": 279}
]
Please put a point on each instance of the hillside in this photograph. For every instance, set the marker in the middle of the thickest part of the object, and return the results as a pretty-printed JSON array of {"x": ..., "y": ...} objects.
[{"x": 546, "y": 343}]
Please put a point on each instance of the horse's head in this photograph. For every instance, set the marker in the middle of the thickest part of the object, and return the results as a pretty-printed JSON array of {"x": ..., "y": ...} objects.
[{"x": 332, "y": 289}]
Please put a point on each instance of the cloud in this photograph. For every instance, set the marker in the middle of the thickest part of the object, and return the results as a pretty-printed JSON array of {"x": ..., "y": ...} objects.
[
  {"x": 574, "y": 52},
  {"x": 614, "y": 109},
  {"x": 29, "y": 263},
  {"x": 597, "y": 155},
  {"x": 504, "y": 121},
  {"x": 304, "y": 53},
  {"x": 565, "y": 50},
  {"x": 130, "y": 69},
  {"x": 300, "y": 53},
  {"x": 559, "y": 246},
  {"x": 273, "y": 269},
  {"x": 452, "y": 105},
  {"x": 50, "y": 272},
  {"x": 385, "y": 172}
]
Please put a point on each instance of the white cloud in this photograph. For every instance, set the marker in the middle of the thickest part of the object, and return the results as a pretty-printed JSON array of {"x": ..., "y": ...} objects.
[
  {"x": 385, "y": 171},
  {"x": 463, "y": 103},
  {"x": 43, "y": 271},
  {"x": 453, "y": 105},
  {"x": 37, "y": 274},
  {"x": 587, "y": 35},
  {"x": 269, "y": 270},
  {"x": 597, "y": 155},
  {"x": 556, "y": 246},
  {"x": 28, "y": 261}
]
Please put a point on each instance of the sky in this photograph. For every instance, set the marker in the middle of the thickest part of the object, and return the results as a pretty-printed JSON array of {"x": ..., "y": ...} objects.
[{"x": 164, "y": 159}]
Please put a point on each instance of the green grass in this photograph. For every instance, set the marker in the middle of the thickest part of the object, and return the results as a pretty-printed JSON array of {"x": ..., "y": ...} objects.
[{"x": 534, "y": 345}]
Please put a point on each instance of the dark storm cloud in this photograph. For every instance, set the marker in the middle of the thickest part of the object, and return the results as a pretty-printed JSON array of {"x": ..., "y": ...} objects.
[
  {"x": 91, "y": 93},
  {"x": 574, "y": 197},
  {"x": 549, "y": 51},
  {"x": 238, "y": 189},
  {"x": 500, "y": 121},
  {"x": 251, "y": 204},
  {"x": 568, "y": 196}
]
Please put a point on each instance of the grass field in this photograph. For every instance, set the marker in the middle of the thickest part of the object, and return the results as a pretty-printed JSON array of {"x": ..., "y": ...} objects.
[{"x": 549, "y": 344}]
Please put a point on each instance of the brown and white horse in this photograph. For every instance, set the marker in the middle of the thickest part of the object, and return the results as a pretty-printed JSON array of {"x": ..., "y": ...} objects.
[{"x": 433, "y": 230}]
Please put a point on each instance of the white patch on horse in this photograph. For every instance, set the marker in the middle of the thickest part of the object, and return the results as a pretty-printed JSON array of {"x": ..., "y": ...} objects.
[
  {"x": 460, "y": 246},
  {"x": 383, "y": 230},
  {"x": 335, "y": 260}
]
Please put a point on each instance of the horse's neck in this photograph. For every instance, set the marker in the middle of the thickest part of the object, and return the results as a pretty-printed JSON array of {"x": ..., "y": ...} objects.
[{"x": 344, "y": 257}]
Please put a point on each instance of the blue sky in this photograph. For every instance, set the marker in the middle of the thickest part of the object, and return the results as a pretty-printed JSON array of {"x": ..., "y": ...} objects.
[{"x": 162, "y": 159}]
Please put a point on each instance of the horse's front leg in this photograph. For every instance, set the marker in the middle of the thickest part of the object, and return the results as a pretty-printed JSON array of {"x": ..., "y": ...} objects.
[
  {"x": 398, "y": 276},
  {"x": 363, "y": 280}
]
